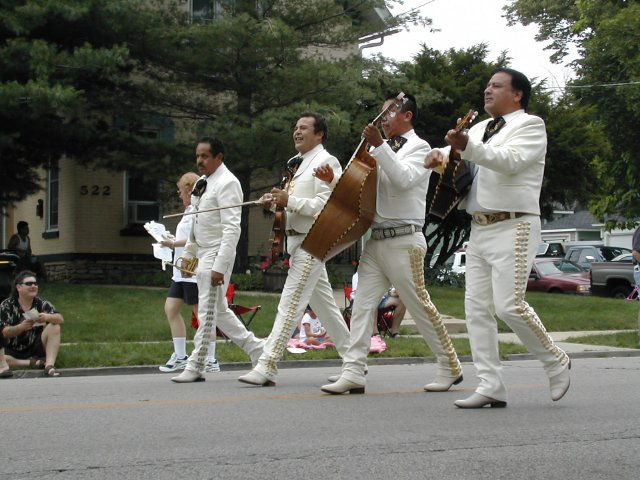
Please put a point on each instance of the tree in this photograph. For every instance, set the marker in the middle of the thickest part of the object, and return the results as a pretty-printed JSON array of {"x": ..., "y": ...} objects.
[
  {"x": 606, "y": 34},
  {"x": 67, "y": 71},
  {"x": 81, "y": 77},
  {"x": 245, "y": 76}
]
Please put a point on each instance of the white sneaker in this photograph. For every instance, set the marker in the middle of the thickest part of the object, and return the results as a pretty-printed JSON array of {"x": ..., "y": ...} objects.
[
  {"x": 174, "y": 364},
  {"x": 212, "y": 366}
]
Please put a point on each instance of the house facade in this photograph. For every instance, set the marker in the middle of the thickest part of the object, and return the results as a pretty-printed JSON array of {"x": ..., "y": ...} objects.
[{"x": 86, "y": 224}]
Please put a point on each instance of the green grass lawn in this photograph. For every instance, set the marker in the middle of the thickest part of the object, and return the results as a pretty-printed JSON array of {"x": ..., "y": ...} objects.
[{"x": 104, "y": 325}]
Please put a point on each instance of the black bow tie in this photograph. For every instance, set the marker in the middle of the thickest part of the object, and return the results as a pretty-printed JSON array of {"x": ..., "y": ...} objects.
[
  {"x": 293, "y": 164},
  {"x": 492, "y": 128},
  {"x": 199, "y": 187},
  {"x": 396, "y": 142}
]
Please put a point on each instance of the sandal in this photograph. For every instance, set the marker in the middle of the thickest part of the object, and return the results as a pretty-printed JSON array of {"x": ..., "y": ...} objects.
[
  {"x": 50, "y": 371},
  {"x": 6, "y": 374},
  {"x": 35, "y": 362}
]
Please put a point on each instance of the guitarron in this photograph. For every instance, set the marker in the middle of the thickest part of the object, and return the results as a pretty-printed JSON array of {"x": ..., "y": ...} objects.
[{"x": 349, "y": 212}]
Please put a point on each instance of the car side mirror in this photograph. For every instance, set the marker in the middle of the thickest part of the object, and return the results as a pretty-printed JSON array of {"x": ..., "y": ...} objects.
[
  {"x": 533, "y": 275},
  {"x": 590, "y": 258}
]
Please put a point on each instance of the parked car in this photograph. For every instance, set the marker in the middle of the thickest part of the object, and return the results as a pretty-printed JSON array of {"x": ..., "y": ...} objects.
[
  {"x": 585, "y": 255},
  {"x": 457, "y": 262},
  {"x": 552, "y": 249},
  {"x": 612, "y": 279},
  {"x": 556, "y": 275},
  {"x": 625, "y": 257}
]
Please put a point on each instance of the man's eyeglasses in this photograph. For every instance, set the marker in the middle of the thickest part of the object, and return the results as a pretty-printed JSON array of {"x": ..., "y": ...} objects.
[{"x": 30, "y": 284}]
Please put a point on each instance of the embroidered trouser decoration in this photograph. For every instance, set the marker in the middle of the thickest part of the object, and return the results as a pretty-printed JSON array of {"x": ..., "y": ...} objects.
[
  {"x": 290, "y": 319},
  {"x": 208, "y": 329},
  {"x": 525, "y": 311},
  {"x": 417, "y": 270}
]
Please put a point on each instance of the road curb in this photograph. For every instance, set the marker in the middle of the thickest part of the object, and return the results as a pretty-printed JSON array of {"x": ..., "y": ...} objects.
[{"x": 243, "y": 366}]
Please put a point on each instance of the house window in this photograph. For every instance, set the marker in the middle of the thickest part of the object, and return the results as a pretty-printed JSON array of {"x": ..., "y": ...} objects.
[
  {"x": 202, "y": 10},
  {"x": 141, "y": 201},
  {"x": 53, "y": 190}
]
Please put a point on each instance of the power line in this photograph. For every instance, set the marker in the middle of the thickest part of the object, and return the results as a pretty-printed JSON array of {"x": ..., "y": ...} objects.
[{"x": 594, "y": 85}]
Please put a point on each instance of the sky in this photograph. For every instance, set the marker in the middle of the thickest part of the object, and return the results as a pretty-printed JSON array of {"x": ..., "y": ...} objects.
[{"x": 464, "y": 23}]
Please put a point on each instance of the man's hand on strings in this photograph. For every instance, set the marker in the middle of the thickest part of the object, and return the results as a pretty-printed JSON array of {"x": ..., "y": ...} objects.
[
  {"x": 457, "y": 139},
  {"x": 434, "y": 159},
  {"x": 372, "y": 135}
]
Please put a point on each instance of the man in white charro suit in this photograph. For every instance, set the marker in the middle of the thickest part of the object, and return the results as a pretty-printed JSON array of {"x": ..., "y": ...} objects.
[
  {"x": 395, "y": 253},
  {"x": 213, "y": 239},
  {"x": 509, "y": 152},
  {"x": 307, "y": 280}
]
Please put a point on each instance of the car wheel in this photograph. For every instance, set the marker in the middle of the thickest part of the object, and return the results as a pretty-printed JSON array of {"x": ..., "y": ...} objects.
[
  {"x": 620, "y": 292},
  {"x": 556, "y": 290}
]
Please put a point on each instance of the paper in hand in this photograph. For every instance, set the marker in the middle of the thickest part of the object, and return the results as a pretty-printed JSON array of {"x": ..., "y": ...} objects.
[
  {"x": 156, "y": 230},
  {"x": 33, "y": 314},
  {"x": 162, "y": 253}
]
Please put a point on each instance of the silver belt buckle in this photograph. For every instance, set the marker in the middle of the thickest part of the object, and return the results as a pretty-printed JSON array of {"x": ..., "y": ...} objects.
[{"x": 481, "y": 218}]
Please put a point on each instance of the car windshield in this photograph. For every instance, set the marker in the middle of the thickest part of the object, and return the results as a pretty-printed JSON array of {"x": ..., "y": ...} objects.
[
  {"x": 548, "y": 268},
  {"x": 568, "y": 267},
  {"x": 609, "y": 253}
]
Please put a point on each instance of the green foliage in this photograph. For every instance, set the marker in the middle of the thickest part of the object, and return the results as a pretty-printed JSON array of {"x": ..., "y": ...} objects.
[{"x": 606, "y": 34}]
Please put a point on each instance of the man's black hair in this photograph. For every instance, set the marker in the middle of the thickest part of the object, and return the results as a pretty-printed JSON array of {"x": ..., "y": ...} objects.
[
  {"x": 409, "y": 104},
  {"x": 320, "y": 124},
  {"x": 215, "y": 145},
  {"x": 519, "y": 82}
]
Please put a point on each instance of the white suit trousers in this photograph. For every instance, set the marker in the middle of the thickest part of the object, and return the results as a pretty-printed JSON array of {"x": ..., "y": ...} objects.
[
  {"x": 307, "y": 283},
  {"x": 399, "y": 262},
  {"x": 499, "y": 259},
  {"x": 213, "y": 310}
]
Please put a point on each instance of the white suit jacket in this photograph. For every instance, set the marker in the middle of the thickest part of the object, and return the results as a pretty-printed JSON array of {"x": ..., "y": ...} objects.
[
  {"x": 402, "y": 180},
  {"x": 308, "y": 194},
  {"x": 510, "y": 164},
  {"x": 218, "y": 230}
]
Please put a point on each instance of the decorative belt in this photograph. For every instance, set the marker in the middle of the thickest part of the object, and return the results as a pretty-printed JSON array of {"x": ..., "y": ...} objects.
[
  {"x": 292, "y": 233},
  {"x": 381, "y": 233},
  {"x": 494, "y": 217}
]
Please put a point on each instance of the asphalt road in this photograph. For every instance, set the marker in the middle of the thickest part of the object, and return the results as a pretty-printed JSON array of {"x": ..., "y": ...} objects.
[{"x": 146, "y": 427}]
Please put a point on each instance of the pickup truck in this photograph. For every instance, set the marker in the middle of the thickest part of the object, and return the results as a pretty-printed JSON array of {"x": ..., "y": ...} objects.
[
  {"x": 612, "y": 279},
  {"x": 585, "y": 255}
]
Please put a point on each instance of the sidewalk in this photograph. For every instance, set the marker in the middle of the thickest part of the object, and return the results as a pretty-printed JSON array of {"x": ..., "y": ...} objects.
[{"x": 458, "y": 329}]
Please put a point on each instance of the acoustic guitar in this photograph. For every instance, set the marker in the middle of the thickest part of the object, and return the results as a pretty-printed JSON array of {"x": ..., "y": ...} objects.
[
  {"x": 349, "y": 212},
  {"x": 455, "y": 181}
]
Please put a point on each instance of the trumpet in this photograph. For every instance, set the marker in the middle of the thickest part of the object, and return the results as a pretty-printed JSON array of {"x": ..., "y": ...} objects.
[{"x": 185, "y": 265}]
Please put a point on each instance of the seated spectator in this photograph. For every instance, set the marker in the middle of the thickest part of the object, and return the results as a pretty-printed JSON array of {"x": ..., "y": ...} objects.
[
  {"x": 30, "y": 326},
  {"x": 20, "y": 244},
  {"x": 392, "y": 299},
  {"x": 5, "y": 371},
  {"x": 311, "y": 330}
]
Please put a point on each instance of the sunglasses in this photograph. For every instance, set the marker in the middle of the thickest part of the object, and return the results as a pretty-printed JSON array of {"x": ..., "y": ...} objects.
[{"x": 30, "y": 284}]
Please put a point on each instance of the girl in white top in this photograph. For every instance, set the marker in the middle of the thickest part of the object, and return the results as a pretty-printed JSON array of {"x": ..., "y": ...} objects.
[
  {"x": 311, "y": 330},
  {"x": 183, "y": 290}
]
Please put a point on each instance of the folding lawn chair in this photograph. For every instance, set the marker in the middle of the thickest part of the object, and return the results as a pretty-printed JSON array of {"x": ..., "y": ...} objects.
[
  {"x": 385, "y": 320},
  {"x": 346, "y": 312},
  {"x": 238, "y": 311}
]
